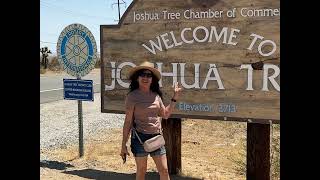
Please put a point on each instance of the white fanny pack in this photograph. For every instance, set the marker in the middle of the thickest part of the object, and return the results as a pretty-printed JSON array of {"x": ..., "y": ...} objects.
[{"x": 151, "y": 144}]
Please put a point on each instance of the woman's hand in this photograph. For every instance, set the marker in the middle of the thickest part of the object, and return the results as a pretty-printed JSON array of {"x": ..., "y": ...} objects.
[
  {"x": 124, "y": 152},
  {"x": 177, "y": 90}
]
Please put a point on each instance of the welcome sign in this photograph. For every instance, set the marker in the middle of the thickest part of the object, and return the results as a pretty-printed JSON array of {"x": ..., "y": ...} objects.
[{"x": 224, "y": 53}]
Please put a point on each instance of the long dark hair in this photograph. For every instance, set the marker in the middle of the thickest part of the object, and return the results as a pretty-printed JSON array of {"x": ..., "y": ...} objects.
[{"x": 154, "y": 87}]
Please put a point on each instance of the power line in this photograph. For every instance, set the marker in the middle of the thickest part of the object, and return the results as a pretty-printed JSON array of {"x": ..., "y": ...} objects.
[
  {"x": 49, "y": 5},
  {"x": 47, "y": 42}
]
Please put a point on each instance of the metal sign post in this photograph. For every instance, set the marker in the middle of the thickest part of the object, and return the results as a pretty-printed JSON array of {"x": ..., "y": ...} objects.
[{"x": 81, "y": 150}]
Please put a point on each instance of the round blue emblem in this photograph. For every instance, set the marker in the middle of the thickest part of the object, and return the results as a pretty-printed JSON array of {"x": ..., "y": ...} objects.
[{"x": 76, "y": 50}]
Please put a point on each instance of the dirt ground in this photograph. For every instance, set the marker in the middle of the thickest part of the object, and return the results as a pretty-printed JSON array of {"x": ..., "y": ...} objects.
[{"x": 210, "y": 150}]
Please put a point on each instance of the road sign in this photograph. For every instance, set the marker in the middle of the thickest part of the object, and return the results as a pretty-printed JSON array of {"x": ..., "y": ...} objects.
[
  {"x": 76, "y": 50},
  {"x": 74, "y": 89},
  {"x": 77, "y": 54}
]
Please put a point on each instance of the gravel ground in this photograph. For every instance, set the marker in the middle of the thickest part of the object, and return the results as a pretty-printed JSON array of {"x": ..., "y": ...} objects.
[{"x": 59, "y": 122}]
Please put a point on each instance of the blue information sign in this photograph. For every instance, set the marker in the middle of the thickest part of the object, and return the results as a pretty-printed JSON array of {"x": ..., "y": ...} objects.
[{"x": 75, "y": 89}]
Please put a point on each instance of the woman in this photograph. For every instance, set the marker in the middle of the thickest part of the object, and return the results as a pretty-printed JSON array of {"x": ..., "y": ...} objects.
[{"x": 144, "y": 109}]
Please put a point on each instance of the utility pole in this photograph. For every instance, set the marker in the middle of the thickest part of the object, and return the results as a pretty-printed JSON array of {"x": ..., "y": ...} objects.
[
  {"x": 44, "y": 60},
  {"x": 119, "y": 9},
  {"x": 118, "y": 3}
]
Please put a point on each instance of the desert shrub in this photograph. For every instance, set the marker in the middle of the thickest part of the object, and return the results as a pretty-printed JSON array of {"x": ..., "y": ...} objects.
[
  {"x": 42, "y": 71},
  {"x": 54, "y": 64},
  {"x": 98, "y": 63}
]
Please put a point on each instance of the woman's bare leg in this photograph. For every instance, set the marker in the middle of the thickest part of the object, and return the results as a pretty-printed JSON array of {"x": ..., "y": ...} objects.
[
  {"x": 162, "y": 166},
  {"x": 141, "y": 163}
]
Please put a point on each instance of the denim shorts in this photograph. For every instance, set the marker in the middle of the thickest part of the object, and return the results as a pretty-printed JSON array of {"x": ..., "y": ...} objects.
[{"x": 137, "y": 148}]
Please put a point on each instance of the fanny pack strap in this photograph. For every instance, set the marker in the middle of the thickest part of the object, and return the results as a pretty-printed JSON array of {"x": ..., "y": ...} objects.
[{"x": 135, "y": 131}]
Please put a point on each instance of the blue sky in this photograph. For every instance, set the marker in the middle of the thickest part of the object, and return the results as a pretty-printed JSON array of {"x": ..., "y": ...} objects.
[{"x": 55, "y": 15}]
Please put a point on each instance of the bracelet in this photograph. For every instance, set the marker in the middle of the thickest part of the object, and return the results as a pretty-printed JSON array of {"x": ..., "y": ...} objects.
[{"x": 173, "y": 100}]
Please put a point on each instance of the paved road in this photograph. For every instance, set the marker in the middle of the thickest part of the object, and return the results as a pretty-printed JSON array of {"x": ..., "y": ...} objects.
[{"x": 51, "y": 86}]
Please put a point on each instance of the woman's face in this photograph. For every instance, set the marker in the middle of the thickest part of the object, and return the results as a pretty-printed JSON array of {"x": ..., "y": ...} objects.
[{"x": 145, "y": 79}]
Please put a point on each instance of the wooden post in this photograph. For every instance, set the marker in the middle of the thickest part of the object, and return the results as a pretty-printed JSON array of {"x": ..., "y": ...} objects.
[
  {"x": 172, "y": 135},
  {"x": 258, "y": 151}
]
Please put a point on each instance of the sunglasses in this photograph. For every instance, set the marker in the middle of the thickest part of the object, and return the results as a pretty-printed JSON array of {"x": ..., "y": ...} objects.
[{"x": 148, "y": 75}]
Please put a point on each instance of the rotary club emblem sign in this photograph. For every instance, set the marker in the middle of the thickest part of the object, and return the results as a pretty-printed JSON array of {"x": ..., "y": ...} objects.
[{"x": 76, "y": 50}]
